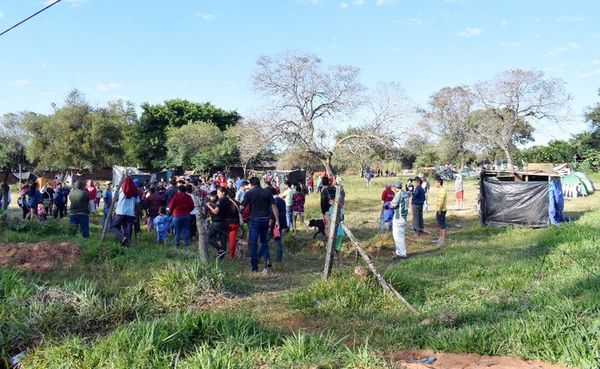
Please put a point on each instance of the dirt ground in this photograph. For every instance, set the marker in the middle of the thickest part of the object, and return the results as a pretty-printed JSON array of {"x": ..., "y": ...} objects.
[
  {"x": 426, "y": 359},
  {"x": 39, "y": 256}
]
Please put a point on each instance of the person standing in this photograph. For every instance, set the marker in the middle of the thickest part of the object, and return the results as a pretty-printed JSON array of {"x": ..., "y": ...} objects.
[
  {"x": 33, "y": 198},
  {"x": 277, "y": 231},
  {"x": 234, "y": 223},
  {"x": 107, "y": 197},
  {"x": 241, "y": 191},
  {"x": 261, "y": 204},
  {"x": 60, "y": 201},
  {"x": 221, "y": 216},
  {"x": 327, "y": 194},
  {"x": 368, "y": 176},
  {"x": 287, "y": 196},
  {"x": 440, "y": 210},
  {"x": 459, "y": 191},
  {"x": 170, "y": 192},
  {"x": 400, "y": 205},
  {"x": 417, "y": 201},
  {"x": 181, "y": 205},
  {"x": 153, "y": 204},
  {"x": 4, "y": 195},
  {"x": 124, "y": 219},
  {"x": 298, "y": 201},
  {"x": 91, "y": 191},
  {"x": 79, "y": 209}
]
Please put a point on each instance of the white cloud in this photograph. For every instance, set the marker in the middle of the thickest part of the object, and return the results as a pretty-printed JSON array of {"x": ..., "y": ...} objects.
[
  {"x": 104, "y": 87},
  {"x": 359, "y": 2},
  {"x": 470, "y": 32},
  {"x": 594, "y": 73},
  {"x": 206, "y": 17},
  {"x": 567, "y": 47},
  {"x": 571, "y": 18},
  {"x": 1, "y": 15},
  {"x": 19, "y": 83},
  {"x": 383, "y": 2},
  {"x": 596, "y": 61},
  {"x": 344, "y": 5},
  {"x": 414, "y": 21},
  {"x": 504, "y": 23},
  {"x": 511, "y": 44}
]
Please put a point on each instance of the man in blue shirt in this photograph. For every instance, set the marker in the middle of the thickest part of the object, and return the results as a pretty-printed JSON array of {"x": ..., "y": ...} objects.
[
  {"x": 417, "y": 201},
  {"x": 124, "y": 216}
]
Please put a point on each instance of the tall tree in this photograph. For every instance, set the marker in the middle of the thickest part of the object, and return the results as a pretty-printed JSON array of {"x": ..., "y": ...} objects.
[
  {"x": 252, "y": 141},
  {"x": 14, "y": 139},
  {"x": 502, "y": 112},
  {"x": 77, "y": 135},
  {"x": 157, "y": 120}
]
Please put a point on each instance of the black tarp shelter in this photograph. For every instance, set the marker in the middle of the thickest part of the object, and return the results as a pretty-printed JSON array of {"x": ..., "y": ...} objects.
[{"x": 520, "y": 198}]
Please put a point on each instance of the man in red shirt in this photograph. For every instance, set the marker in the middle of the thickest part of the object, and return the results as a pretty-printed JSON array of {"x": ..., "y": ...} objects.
[{"x": 387, "y": 194}]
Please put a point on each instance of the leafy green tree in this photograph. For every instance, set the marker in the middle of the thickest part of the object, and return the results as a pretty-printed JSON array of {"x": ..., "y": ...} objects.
[
  {"x": 202, "y": 146},
  {"x": 13, "y": 139},
  {"x": 189, "y": 140},
  {"x": 77, "y": 135},
  {"x": 156, "y": 120}
]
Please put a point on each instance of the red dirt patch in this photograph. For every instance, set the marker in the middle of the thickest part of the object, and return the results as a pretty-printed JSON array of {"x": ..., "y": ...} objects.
[
  {"x": 426, "y": 359},
  {"x": 39, "y": 256}
]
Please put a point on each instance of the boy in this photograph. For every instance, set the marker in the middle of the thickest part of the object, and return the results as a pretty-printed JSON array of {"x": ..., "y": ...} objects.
[
  {"x": 162, "y": 224},
  {"x": 440, "y": 210}
]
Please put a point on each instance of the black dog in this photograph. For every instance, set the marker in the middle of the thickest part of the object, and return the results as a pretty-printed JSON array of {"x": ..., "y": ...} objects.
[{"x": 319, "y": 224}]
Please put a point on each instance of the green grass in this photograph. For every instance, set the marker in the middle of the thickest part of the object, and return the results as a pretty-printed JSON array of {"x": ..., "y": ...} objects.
[{"x": 533, "y": 294}]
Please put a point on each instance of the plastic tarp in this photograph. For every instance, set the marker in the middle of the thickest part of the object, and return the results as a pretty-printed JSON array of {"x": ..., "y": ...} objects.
[
  {"x": 120, "y": 172},
  {"x": 556, "y": 203},
  {"x": 514, "y": 203},
  {"x": 589, "y": 186}
]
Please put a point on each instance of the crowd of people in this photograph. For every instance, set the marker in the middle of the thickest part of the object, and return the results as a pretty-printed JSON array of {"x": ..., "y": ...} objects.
[{"x": 254, "y": 210}]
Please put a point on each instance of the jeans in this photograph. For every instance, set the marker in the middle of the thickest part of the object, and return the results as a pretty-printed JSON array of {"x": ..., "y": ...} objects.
[
  {"x": 181, "y": 225},
  {"x": 279, "y": 247},
  {"x": 218, "y": 229},
  {"x": 83, "y": 222},
  {"x": 258, "y": 229},
  {"x": 418, "y": 225},
  {"x": 398, "y": 233},
  {"x": 121, "y": 226}
]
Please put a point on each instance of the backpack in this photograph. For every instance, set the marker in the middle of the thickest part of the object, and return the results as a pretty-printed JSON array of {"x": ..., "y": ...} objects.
[{"x": 129, "y": 188}]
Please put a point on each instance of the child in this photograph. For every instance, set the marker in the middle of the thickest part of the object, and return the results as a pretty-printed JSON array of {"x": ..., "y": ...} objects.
[
  {"x": 41, "y": 212},
  {"x": 162, "y": 224},
  {"x": 298, "y": 200}
]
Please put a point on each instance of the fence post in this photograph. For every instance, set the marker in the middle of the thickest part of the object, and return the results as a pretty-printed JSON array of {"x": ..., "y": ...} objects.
[{"x": 332, "y": 230}]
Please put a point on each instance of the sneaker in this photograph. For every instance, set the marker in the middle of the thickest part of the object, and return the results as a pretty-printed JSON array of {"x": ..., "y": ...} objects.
[
  {"x": 267, "y": 268},
  {"x": 221, "y": 254},
  {"x": 398, "y": 257},
  {"x": 124, "y": 241},
  {"x": 436, "y": 241}
]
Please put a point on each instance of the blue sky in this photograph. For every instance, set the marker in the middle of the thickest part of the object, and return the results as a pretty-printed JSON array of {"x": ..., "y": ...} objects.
[{"x": 150, "y": 50}]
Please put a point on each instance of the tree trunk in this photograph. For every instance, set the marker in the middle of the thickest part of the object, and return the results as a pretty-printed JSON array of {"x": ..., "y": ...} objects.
[
  {"x": 326, "y": 161},
  {"x": 201, "y": 226},
  {"x": 509, "y": 159}
]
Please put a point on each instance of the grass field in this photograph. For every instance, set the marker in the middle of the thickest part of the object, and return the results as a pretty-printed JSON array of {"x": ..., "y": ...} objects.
[{"x": 527, "y": 293}]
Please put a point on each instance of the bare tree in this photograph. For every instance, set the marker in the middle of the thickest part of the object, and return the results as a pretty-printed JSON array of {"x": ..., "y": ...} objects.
[
  {"x": 306, "y": 98},
  {"x": 252, "y": 140},
  {"x": 503, "y": 111}
]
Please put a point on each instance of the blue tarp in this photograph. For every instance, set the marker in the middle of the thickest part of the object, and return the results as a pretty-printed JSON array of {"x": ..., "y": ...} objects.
[{"x": 556, "y": 203}]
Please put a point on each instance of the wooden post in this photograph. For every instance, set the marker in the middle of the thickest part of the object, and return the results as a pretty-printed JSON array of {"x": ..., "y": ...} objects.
[
  {"x": 388, "y": 288},
  {"x": 333, "y": 225},
  {"x": 115, "y": 198},
  {"x": 201, "y": 226}
]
